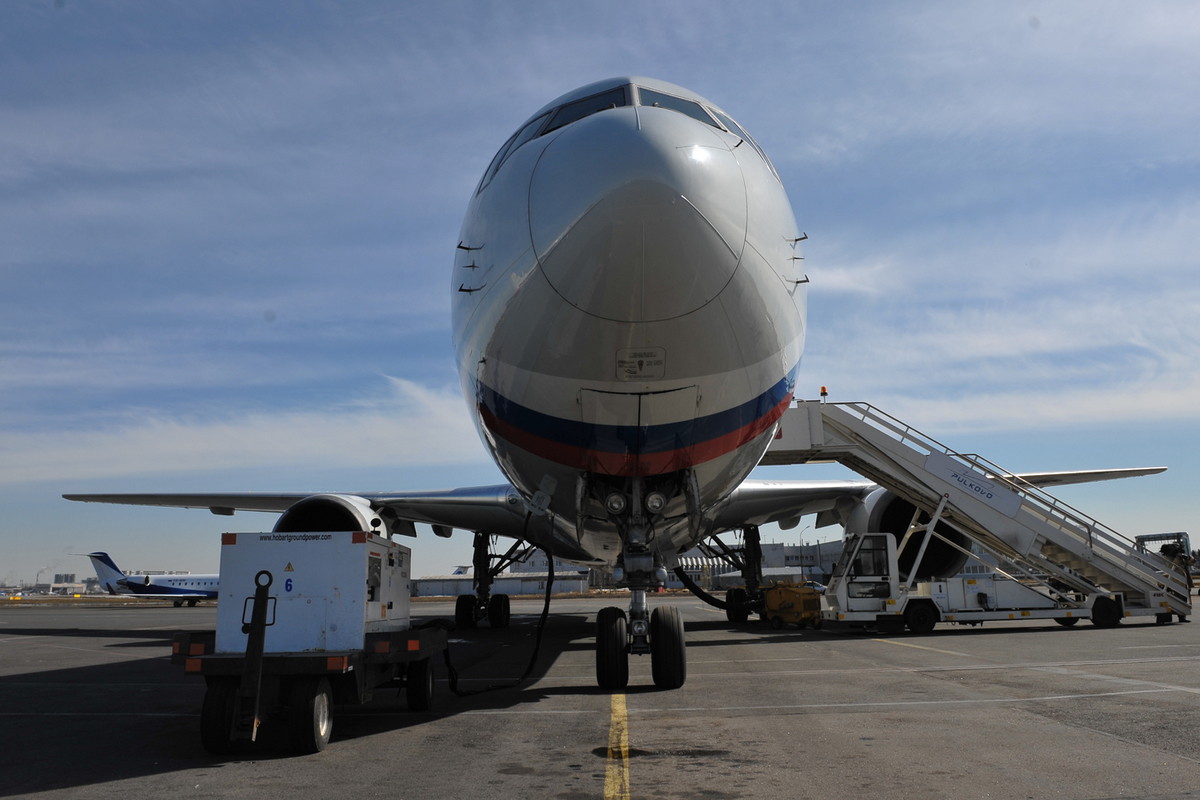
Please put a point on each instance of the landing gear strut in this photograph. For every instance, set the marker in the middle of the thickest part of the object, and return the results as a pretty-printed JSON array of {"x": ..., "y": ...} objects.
[
  {"x": 470, "y": 609},
  {"x": 739, "y": 602},
  {"x": 659, "y": 635}
]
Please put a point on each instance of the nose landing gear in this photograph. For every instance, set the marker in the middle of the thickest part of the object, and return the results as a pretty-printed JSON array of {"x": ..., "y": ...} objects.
[{"x": 659, "y": 634}]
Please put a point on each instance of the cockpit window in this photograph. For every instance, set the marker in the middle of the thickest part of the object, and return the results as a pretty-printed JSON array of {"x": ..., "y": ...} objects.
[
  {"x": 737, "y": 130},
  {"x": 694, "y": 110},
  {"x": 571, "y": 112},
  {"x": 519, "y": 138}
]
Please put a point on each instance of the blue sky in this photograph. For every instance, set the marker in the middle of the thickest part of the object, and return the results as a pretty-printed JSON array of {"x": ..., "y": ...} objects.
[{"x": 226, "y": 231}]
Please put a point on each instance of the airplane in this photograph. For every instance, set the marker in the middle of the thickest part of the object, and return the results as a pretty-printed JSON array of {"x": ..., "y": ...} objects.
[
  {"x": 629, "y": 314},
  {"x": 178, "y": 588}
]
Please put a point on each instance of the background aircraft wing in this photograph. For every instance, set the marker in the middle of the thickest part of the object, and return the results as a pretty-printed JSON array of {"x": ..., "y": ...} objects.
[{"x": 1043, "y": 479}]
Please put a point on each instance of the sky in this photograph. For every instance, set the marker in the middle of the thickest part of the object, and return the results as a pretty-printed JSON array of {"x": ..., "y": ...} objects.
[{"x": 226, "y": 233}]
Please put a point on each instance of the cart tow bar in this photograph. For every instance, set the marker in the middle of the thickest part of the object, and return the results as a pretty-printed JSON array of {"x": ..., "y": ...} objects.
[{"x": 246, "y": 718}]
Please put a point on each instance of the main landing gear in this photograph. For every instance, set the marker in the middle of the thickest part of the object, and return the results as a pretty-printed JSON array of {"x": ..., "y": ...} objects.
[
  {"x": 739, "y": 602},
  {"x": 640, "y": 632},
  {"x": 471, "y": 609}
]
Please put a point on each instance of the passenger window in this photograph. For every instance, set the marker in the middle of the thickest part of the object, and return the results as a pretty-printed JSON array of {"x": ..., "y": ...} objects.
[
  {"x": 660, "y": 100},
  {"x": 572, "y": 112}
]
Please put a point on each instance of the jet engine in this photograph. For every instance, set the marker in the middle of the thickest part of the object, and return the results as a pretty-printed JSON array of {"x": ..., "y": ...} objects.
[
  {"x": 885, "y": 512},
  {"x": 330, "y": 512}
]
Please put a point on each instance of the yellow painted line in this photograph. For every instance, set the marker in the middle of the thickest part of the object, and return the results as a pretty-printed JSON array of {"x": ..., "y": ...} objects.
[
  {"x": 921, "y": 647},
  {"x": 616, "y": 774}
]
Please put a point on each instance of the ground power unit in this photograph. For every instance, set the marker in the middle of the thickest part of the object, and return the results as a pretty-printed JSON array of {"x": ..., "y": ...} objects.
[{"x": 307, "y": 620}]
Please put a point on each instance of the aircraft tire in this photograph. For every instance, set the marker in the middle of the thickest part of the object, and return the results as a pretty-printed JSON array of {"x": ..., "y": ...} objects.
[
  {"x": 668, "y": 648},
  {"x": 216, "y": 716},
  {"x": 418, "y": 686},
  {"x": 310, "y": 717},
  {"x": 1106, "y": 613},
  {"x": 178, "y": 604},
  {"x": 612, "y": 649},
  {"x": 1066, "y": 622},
  {"x": 464, "y": 611},
  {"x": 499, "y": 611},
  {"x": 192, "y": 603},
  {"x": 736, "y": 597},
  {"x": 920, "y": 617}
]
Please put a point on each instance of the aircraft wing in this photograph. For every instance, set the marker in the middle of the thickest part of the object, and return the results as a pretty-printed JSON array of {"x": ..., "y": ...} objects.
[
  {"x": 760, "y": 502},
  {"x": 495, "y": 509}
]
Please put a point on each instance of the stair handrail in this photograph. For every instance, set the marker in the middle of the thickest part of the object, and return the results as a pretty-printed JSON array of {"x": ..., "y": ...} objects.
[{"x": 1063, "y": 516}]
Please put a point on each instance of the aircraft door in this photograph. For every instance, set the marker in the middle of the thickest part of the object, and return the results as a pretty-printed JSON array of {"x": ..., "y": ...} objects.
[
  {"x": 666, "y": 430},
  {"x": 638, "y": 434}
]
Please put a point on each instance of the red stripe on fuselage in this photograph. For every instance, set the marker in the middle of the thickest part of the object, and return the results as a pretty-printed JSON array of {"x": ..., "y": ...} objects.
[{"x": 628, "y": 464}]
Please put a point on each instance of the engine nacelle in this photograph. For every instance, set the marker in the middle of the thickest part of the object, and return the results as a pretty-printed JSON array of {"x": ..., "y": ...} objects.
[
  {"x": 330, "y": 512},
  {"x": 884, "y": 512}
]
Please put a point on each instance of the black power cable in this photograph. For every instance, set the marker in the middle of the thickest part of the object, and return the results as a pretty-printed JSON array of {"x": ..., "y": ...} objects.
[{"x": 452, "y": 673}]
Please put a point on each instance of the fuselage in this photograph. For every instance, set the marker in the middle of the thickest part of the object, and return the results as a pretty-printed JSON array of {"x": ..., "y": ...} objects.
[{"x": 629, "y": 311}]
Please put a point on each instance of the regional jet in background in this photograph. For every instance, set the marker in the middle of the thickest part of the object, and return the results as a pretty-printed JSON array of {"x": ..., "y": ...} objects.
[
  {"x": 629, "y": 314},
  {"x": 181, "y": 589}
]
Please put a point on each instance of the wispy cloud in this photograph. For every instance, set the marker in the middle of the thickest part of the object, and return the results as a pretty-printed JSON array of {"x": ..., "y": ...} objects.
[{"x": 410, "y": 424}]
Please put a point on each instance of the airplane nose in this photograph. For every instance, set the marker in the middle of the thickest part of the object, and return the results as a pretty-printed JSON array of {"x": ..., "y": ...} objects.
[{"x": 638, "y": 215}]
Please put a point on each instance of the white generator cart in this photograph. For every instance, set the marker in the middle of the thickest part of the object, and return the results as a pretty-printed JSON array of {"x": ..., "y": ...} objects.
[{"x": 306, "y": 621}]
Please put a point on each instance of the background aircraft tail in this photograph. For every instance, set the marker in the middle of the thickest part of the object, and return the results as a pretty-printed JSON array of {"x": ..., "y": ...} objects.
[{"x": 110, "y": 575}]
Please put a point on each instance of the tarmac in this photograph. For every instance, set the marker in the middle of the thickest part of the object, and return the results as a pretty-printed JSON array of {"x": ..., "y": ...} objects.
[{"x": 92, "y": 706}]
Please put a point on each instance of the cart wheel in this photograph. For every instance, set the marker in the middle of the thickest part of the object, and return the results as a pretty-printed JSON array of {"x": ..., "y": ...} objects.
[
  {"x": 309, "y": 718},
  {"x": 464, "y": 611},
  {"x": 668, "y": 649},
  {"x": 777, "y": 623},
  {"x": 612, "y": 651},
  {"x": 920, "y": 617},
  {"x": 216, "y": 716},
  {"x": 816, "y": 623},
  {"x": 499, "y": 610},
  {"x": 802, "y": 622},
  {"x": 1106, "y": 613},
  {"x": 418, "y": 686},
  {"x": 1066, "y": 622}
]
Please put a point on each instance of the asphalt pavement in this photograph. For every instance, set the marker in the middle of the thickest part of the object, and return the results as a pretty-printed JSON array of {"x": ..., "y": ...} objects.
[{"x": 91, "y": 706}]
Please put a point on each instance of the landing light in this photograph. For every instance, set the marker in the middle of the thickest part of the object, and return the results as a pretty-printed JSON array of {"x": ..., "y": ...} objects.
[
  {"x": 655, "y": 502},
  {"x": 615, "y": 503}
]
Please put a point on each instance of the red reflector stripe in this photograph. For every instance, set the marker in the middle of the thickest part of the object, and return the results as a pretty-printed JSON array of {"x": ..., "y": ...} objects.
[
  {"x": 382, "y": 647},
  {"x": 360, "y": 537},
  {"x": 192, "y": 665},
  {"x": 197, "y": 649},
  {"x": 414, "y": 644},
  {"x": 336, "y": 663},
  {"x": 228, "y": 538},
  {"x": 174, "y": 648}
]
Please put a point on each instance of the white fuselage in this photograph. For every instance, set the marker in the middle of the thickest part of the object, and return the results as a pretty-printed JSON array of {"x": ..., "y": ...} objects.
[{"x": 629, "y": 302}]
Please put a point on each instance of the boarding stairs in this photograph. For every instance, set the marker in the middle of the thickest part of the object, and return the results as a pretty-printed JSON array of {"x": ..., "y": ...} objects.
[{"x": 1008, "y": 517}]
